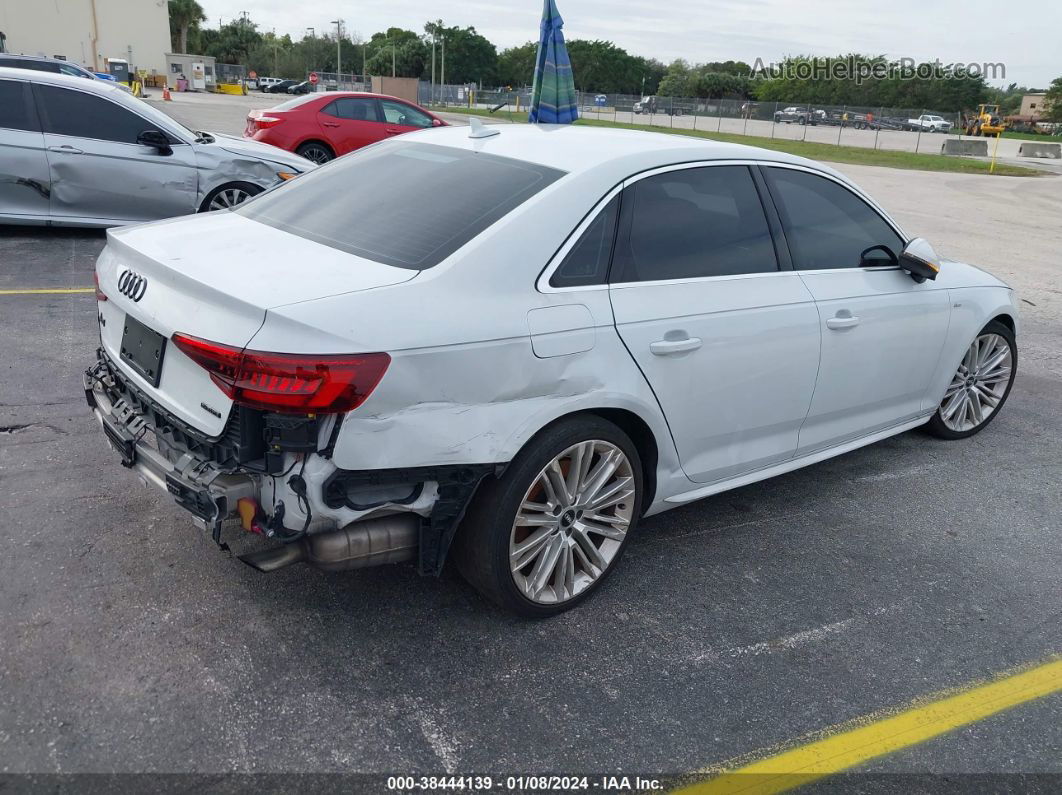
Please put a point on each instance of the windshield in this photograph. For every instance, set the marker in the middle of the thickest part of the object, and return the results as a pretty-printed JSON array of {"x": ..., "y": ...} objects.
[{"x": 409, "y": 205}]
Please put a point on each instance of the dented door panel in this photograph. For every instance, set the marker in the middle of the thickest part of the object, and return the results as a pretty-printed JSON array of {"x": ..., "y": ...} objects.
[
  {"x": 118, "y": 181},
  {"x": 24, "y": 178}
]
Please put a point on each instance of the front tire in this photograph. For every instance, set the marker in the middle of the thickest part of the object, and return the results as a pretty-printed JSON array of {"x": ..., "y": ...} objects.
[
  {"x": 228, "y": 196},
  {"x": 980, "y": 386},
  {"x": 541, "y": 538}
]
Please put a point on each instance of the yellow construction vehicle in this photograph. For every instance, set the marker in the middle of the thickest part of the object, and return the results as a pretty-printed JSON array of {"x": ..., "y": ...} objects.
[{"x": 986, "y": 121}]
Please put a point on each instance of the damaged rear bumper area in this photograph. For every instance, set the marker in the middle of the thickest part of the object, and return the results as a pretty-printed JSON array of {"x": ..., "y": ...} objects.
[
  {"x": 200, "y": 486},
  {"x": 415, "y": 517}
]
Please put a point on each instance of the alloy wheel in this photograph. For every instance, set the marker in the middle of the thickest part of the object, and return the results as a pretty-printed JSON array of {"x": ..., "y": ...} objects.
[
  {"x": 229, "y": 197},
  {"x": 979, "y": 385},
  {"x": 316, "y": 154},
  {"x": 572, "y": 522}
]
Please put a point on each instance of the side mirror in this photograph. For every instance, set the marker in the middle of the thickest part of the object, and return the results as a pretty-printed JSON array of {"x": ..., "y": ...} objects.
[
  {"x": 436, "y": 122},
  {"x": 920, "y": 260},
  {"x": 155, "y": 140},
  {"x": 877, "y": 257}
]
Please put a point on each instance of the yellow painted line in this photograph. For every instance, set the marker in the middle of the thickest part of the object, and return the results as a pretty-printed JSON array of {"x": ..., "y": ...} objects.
[
  {"x": 49, "y": 291},
  {"x": 816, "y": 760}
]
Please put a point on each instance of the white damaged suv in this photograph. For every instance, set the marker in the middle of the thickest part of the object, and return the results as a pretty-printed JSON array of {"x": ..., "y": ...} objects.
[{"x": 507, "y": 348}]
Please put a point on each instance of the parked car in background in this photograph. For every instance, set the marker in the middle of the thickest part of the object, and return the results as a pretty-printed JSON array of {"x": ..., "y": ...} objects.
[
  {"x": 323, "y": 126},
  {"x": 929, "y": 123},
  {"x": 653, "y": 104},
  {"x": 305, "y": 87},
  {"x": 82, "y": 152},
  {"x": 799, "y": 115},
  {"x": 281, "y": 86},
  {"x": 266, "y": 83},
  {"x": 362, "y": 366}
]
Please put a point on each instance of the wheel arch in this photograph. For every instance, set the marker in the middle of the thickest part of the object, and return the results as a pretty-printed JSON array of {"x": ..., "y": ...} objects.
[
  {"x": 632, "y": 424},
  {"x": 315, "y": 139}
]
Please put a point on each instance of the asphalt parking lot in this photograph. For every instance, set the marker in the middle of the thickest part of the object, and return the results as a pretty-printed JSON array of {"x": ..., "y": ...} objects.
[{"x": 734, "y": 626}]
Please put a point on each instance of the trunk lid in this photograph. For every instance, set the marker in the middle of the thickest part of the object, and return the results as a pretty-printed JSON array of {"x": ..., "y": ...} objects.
[{"x": 213, "y": 276}]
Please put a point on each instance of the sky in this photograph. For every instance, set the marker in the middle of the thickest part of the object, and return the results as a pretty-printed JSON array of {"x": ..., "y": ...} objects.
[{"x": 1024, "y": 37}]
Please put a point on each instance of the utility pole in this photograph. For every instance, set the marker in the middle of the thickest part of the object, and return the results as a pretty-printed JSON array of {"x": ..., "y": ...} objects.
[
  {"x": 275, "y": 52},
  {"x": 434, "y": 35},
  {"x": 313, "y": 43},
  {"x": 339, "y": 52},
  {"x": 442, "y": 78}
]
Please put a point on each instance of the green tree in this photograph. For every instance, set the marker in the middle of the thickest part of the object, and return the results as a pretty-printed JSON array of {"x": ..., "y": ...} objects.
[
  {"x": 185, "y": 15},
  {"x": 409, "y": 57},
  {"x": 602, "y": 67},
  {"x": 233, "y": 42},
  {"x": 470, "y": 57},
  {"x": 516, "y": 65},
  {"x": 1053, "y": 101}
]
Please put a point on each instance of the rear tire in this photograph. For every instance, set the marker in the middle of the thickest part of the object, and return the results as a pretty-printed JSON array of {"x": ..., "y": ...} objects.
[
  {"x": 316, "y": 152},
  {"x": 533, "y": 516},
  {"x": 980, "y": 386}
]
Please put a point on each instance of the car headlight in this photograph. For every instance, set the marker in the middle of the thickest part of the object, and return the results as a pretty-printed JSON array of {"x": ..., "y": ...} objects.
[{"x": 286, "y": 175}]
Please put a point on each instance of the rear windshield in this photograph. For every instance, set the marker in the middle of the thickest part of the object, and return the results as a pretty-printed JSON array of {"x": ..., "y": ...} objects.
[
  {"x": 410, "y": 205},
  {"x": 294, "y": 103}
]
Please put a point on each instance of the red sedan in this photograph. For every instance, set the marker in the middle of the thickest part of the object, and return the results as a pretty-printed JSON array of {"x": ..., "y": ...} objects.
[{"x": 323, "y": 126}]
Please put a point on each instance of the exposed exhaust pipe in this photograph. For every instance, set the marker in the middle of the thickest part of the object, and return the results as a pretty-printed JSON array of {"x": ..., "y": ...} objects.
[{"x": 374, "y": 542}]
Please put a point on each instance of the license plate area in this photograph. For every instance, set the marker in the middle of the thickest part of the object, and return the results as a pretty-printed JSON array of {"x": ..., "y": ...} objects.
[{"x": 143, "y": 350}]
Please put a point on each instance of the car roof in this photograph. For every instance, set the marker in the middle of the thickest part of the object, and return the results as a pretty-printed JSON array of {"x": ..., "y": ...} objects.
[
  {"x": 577, "y": 148},
  {"x": 53, "y": 78}
]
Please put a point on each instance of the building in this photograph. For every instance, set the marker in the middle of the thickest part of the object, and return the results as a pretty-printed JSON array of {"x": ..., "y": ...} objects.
[
  {"x": 89, "y": 32},
  {"x": 1032, "y": 106},
  {"x": 196, "y": 70}
]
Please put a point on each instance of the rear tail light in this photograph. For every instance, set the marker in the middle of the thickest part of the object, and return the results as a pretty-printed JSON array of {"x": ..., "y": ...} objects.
[
  {"x": 100, "y": 295},
  {"x": 265, "y": 122},
  {"x": 287, "y": 382}
]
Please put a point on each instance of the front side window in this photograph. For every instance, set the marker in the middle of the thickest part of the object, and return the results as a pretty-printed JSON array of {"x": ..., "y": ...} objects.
[
  {"x": 15, "y": 112},
  {"x": 404, "y": 115},
  {"x": 827, "y": 226},
  {"x": 587, "y": 262},
  {"x": 408, "y": 205},
  {"x": 698, "y": 222},
  {"x": 82, "y": 115}
]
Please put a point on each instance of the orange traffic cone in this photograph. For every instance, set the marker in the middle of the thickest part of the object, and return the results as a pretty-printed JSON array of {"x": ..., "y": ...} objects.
[{"x": 166, "y": 94}]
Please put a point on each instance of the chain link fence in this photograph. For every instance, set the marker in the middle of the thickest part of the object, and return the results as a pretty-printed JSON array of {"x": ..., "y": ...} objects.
[{"x": 902, "y": 129}]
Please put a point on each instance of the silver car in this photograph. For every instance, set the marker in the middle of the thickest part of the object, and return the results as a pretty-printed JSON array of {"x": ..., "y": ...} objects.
[{"x": 84, "y": 153}]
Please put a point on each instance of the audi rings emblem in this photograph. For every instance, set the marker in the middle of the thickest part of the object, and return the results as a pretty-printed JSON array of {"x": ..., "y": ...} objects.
[{"x": 132, "y": 285}]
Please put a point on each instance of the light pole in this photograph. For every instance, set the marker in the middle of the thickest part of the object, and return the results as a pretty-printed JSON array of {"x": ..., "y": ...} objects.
[
  {"x": 339, "y": 52},
  {"x": 313, "y": 41}
]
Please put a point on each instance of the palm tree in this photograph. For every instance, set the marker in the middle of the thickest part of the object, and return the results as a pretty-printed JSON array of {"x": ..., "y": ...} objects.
[{"x": 184, "y": 15}]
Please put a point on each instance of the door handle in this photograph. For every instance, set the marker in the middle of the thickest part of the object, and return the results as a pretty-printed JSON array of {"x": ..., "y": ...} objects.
[
  {"x": 671, "y": 347},
  {"x": 393, "y": 130},
  {"x": 329, "y": 124},
  {"x": 66, "y": 149},
  {"x": 842, "y": 322}
]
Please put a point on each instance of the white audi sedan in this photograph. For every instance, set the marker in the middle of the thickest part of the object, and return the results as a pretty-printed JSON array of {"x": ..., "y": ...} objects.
[{"x": 507, "y": 348}]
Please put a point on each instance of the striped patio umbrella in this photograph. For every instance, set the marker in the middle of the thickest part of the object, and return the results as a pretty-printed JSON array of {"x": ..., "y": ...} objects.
[{"x": 553, "y": 98}]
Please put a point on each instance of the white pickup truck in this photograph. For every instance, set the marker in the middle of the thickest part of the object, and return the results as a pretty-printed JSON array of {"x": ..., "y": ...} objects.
[{"x": 927, "y": 123}]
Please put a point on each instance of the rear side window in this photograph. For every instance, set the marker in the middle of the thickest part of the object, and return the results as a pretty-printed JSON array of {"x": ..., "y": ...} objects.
[
  {"x": 82, "y": 115},
  {"x": 15, "y": 111},
  {"x": 587, "y": 263},
  {"x": 827, "y": 226},
  {"x": 352, "y": 109},
  {"x": 403, "y": 204},
  {"x": 28, "y": 63},
  {"x": 693, "y": 223}
]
